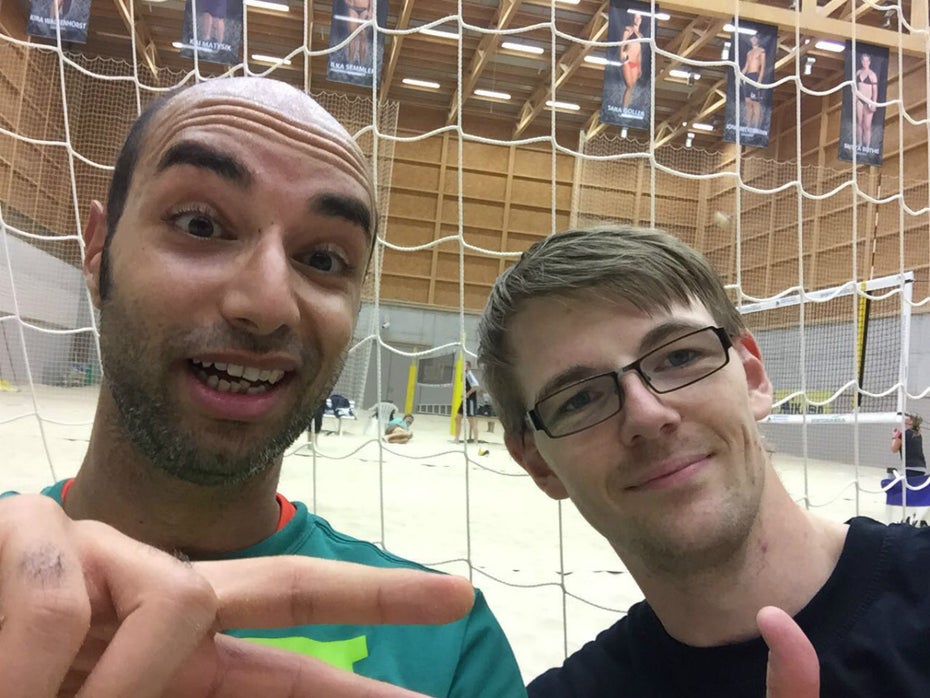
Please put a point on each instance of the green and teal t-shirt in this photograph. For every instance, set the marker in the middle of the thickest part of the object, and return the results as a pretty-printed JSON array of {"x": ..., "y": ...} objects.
[{"x": 470, "y": 658}]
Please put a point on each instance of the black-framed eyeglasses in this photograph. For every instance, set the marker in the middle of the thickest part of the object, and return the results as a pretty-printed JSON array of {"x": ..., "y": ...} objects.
[{"x": 672, "y": 366}]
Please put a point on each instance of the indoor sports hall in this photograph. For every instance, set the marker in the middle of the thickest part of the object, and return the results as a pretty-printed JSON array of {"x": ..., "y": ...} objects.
[{"x": 786, "y": 139}]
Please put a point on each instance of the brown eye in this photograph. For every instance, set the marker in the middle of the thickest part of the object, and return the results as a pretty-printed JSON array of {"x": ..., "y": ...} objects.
[
  {"x": 197, "y": 224},
  {"x": 326, "y": 262}
]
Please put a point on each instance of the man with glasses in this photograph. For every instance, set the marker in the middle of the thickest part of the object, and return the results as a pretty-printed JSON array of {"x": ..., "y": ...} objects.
[{"x": 626, "y": 380}]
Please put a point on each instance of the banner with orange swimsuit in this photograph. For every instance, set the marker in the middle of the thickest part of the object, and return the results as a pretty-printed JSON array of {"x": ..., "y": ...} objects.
[
  {"x": 358, "y": 61},
  {"x": 47, "y": 17},
  {"x": 862, "y": 121},
  {"x": 626, "y": 99},
  {"x": 749, "y": 104}
]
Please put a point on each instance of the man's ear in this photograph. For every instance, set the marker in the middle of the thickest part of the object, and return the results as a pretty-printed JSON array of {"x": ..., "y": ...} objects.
[
  {"x": 757, "y": 380},
  {"x": 95, "y": 234},
  {"x": 522, "y": 448}
]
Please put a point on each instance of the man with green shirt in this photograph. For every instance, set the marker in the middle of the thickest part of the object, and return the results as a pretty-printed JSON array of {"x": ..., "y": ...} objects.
[{"x": 228, "y": 268}]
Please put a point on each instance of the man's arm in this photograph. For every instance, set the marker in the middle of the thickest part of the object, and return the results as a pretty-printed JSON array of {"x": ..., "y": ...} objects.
[
  {"x": 85, "y": 610},
  {"x": 896, "y": 441}
]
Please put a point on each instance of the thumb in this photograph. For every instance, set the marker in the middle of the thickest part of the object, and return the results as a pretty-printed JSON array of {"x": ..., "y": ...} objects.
[{"x": 793, "y": 668}]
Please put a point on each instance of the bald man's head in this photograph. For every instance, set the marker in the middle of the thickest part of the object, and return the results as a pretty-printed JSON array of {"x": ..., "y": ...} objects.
[{"x": 283, "y": 101}]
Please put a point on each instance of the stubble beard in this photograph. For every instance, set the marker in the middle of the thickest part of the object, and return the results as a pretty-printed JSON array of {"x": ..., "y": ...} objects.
[
  {"x": 668, "y": 551},
  {"x": 135, "y": 372}
]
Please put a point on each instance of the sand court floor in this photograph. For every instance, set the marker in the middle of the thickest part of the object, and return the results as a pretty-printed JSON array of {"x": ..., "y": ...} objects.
[{"x": 439, "y": 503}]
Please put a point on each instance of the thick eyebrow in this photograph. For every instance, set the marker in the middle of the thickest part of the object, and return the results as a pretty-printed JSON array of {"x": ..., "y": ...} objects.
[
  {"x": 655, "y": 337},
  {"x": 206, "y": 158},
  {"x": 348, "y": 208}
]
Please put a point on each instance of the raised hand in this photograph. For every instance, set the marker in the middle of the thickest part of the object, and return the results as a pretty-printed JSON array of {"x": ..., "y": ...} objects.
[
  {"x": 87, "y": 611},
  {"x": 793, "y": 668}
]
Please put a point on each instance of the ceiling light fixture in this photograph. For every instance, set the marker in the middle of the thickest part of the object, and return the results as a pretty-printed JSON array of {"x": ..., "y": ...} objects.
[
  {"x": 264, "y": 5},
  {"x": 492, "y": 94},
  {"x": 522, "y": 48},
  {"x": 440, "y": 33},
  {"x": 265, "y": 58},
  {"x": 661, "y": 16},
  {"x": 725, "y": 51},
  {"x": 427, "y": 84},
  {"x": 697, "y": 126},
  {"x": 684, "y": 74},
  {"x": 730, "y": 28},
  {"x": 809, "y": 65},
  {"x": 831, "y": 46},
  {"x": 600, "y": 60},
  {"x": 568, "y": 106},
  {"x": 689, "y": 140}
]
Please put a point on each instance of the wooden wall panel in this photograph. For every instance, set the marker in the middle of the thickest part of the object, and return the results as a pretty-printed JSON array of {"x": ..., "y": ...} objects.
[{"x": 407, "y": 263}]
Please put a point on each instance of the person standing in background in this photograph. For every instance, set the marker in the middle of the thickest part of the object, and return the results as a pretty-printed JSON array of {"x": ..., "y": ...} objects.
[
  {"x": 913, "y": 455},
  {"x": 469, "y": 406}
]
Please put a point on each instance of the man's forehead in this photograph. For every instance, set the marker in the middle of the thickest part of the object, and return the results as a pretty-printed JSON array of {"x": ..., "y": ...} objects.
[
  {"x": 569, "y": 318},
  {"x": 271, "y": 95},
  {"x": 253, "y": 105},
  {"x": 551, "y": 334}
]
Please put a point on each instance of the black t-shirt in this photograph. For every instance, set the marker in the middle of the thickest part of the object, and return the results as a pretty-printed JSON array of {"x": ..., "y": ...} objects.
[{"x": 870, "y": 625}]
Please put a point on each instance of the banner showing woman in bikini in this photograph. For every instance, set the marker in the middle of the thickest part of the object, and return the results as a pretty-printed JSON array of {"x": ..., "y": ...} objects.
[
  {"x": 862, "y": 121},
  {"x": 626, "y": 97},
  {"x": 47, "y": 17},
  {"x": 749, "y": 103},
  {"x": 218, "y": 30},
  {"x": 359, "y": 61}
]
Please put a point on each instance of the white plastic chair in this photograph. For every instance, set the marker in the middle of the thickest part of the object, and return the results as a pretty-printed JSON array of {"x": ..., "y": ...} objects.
[{"x": 380, "y": 415}]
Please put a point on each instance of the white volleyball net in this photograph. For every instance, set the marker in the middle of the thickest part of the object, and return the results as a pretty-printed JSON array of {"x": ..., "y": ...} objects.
[{"x": 834, "y": 262}]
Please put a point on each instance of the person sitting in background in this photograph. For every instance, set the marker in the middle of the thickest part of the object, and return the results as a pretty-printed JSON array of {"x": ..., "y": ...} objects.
[
  {"x": 398, "y": 430},
  {"x": 913, "y": 452}
]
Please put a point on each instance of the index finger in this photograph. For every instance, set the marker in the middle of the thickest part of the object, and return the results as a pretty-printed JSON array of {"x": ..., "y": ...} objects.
[{"x": 292, "y": 590}]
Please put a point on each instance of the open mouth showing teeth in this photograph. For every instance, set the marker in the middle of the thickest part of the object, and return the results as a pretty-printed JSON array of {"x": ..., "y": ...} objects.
[{"x": 233, "y": 378}]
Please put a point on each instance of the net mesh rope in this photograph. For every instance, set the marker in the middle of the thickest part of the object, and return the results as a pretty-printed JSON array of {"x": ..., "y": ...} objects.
[{"x": 788, "y": 229}]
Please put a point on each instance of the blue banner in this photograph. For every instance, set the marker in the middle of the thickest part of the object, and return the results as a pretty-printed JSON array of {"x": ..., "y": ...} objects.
[
  {"x": 359, "y": 61},
  {"x": 749, "y": 102},
  {"x": 46, "y": 17},
  {"x": 626, "y": 99},
  {"x": 862, "y": 121},
  {"x": 217, "y": 34}
]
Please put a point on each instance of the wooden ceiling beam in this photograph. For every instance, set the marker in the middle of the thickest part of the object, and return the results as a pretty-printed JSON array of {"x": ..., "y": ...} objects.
[
  {"x": 831, "y": 7},
  {"x": 714, "y": 27},
  {"x": 809, "y": 17},
  {"x": 710, "y": 101},
  {"x": 145, "y": 44},
  {"x": 390, "y": 67},
  {"x": 505, "y": 14},
  {"x": 684, "y": 36},
  {"x": 565, "y": 67}
]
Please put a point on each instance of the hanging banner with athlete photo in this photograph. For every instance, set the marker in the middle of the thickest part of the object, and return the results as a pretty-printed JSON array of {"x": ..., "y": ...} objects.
[
  {"x": 750, "y": 105},
  {"x": 358, "y": 62},
  {"x": 218, "y": 30},
  {"x": 46, "y": 17},
  {"x": 626, "y": 97},
  {"x": 862, "y": 121}
]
